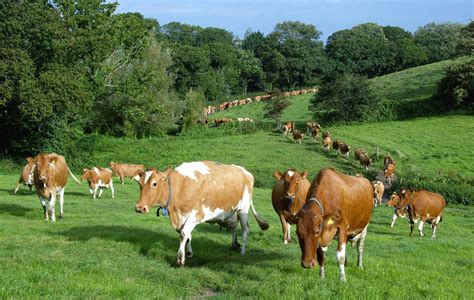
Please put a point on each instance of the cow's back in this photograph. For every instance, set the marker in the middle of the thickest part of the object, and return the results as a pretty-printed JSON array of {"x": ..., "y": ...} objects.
[
  {"x": 349, "y": 197},
  {"x": 428, "y": 204},
  {"x": 131, "y": 170}
]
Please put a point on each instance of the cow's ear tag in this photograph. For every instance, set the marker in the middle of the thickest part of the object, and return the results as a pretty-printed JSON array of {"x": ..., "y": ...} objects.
[
  {"x": 165, "y": 212},
  {"x": 330, "y": 222}
]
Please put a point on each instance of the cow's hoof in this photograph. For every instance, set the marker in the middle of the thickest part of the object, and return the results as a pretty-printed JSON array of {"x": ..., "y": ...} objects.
[
  {"x": 61, "y": 216},
  {"x": 180, "y": 264},
  {"x": 236, "y": 246},
  {"x": 189, "y": 254}
]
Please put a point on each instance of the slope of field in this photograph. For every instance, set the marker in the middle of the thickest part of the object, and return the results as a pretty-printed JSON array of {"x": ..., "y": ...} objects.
[{"x": 104, "y": 249}]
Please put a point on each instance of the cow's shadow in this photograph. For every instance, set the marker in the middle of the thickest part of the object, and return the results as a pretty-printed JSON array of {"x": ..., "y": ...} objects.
[
  {"x": 14, "y": 209},
  {"x": 207, "y": 252}
]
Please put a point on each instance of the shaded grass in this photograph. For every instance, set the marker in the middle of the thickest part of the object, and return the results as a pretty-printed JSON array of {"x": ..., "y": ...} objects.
[{"x": 103, "y": 249}]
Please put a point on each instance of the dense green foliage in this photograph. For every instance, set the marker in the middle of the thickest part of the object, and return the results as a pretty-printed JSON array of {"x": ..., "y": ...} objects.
[
  {"x": 465, "y": 45},
  {"x": 104, "y": 249},
  {"x": 438, "y": 41},
  {"x": 456, "y": 89}
]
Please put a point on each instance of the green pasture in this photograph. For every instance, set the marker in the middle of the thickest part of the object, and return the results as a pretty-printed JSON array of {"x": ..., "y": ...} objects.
[{"x": 102, "y": 248}]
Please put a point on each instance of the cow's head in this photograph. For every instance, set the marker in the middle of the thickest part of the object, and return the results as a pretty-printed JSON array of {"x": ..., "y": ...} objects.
[
  {"x": 44, "y": 166},
  {"x": 30, "y": 160},
  {"x": 291, "y": 179},
  {"x": 394, "y": 200},
  {"x": 402, "y": 207},
  {"x": 314, "y": 231},
  {"x": 153, "y": 187}
]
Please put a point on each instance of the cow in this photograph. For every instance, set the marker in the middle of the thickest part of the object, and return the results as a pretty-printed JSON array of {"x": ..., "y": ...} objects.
[
  {"x": 98, "y": 179},
  {"x": 50, "y": 177},
  {"x": 315, "y": 133},
  {"x": 326, "y": 134},
  {"x": 257, "y": 98},
  {"x": 327, "y": 143},
  {"x": 422, "y": 206},
  {"x": 378, "y": 192},
  {"x": 26, "y": 176},
  {"x": 311, "y": 125},
  {"x": 387, "y": 160},
  {"x": 394, "y": 201},
  {"x": 298, "y": 136},
  {"x": 335, "y": 146},
  {"x": 358, "y": 152},
  {"x": 344, "y": 149},
  {"x": 197, "y": 192},
  {"x": 126, "y": 170},
  {"x": 365, "y": 160},
  {"x": 289, "y": 194},
  {"x": 337, "y": 206},
  {"x": 287, "y": 128},
  {"x": 389, "y": 172}
]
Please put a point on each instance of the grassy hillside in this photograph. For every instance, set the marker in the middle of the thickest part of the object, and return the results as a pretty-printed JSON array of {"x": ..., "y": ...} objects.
[{"x": 104, "y": 249}]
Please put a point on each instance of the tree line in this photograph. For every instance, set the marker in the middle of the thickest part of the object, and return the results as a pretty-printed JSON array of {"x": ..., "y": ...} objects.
[{"x": 73, "y": 67}]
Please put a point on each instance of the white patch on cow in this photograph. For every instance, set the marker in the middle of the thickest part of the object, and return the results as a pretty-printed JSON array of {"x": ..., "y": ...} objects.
[
  {"x": 190, "y": 169},
  {"x": 244, "y": 170},
  {"x": 216, "y": 214},
  {"x": 96, "y": 171},
  {"x": 427, "y": 215},
  {"x": 148, "y": 175},
  {"x": 244, "y": 204},
  {"x": 291, "y": 173},
  {"x": 341, "y": 257},
  {"x": 324, "y": 249},
  {"x": 415, "y": 221}
]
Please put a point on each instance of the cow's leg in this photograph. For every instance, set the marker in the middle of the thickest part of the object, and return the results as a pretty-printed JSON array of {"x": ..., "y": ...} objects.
[
  {"x": 412, "y": 225},
  {"x": 320, "y": 257},
  {"x": 112, "y": 188},
  {"x": 288, "y": 232},
  {"x": 244, "y": 223},
  {"x": 52, "y": 204},
  {"x": 45, "y": 208},
  {"x": 394, "y": 217},
  {"x": 341, "y": 255},
  {"x": 420, "y": 227},
  {"x": 433, "y": 226},
  {"x": 189, "y": 253},
  {"x": 101, "y": 190},
  {"x": 284, "y": 228},
  {"x": 95, "y": 191},
  {"x": 18, "y": 186},
  {"x": 61, "y": 203},
  {"x": 122, "y": 177},
  {"x": 184, "y": 236},
  {"x": 360, "y": 246}
]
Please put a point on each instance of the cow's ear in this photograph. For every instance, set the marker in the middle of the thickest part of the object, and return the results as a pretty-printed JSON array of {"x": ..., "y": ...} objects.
[
  {"x": 304, "y": 174},
  {"x": 331, "y": 220},
  {"x": 30, "y": 159},
  {"x": 277, "y": 175},
  {"x": 289, "y": 217},
  {"x": 53, "y": 158}
]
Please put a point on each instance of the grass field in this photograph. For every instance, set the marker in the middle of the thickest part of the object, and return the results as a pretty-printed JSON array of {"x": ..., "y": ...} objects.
[{"x": 104, "y": 249}]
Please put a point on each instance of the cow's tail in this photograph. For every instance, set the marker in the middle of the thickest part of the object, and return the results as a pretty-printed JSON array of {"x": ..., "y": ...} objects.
[
  {"x": 73, "y": 177},
  {"x": 261, "y": 221}
]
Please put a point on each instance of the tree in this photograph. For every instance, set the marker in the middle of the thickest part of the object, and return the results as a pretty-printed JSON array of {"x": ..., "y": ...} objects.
[
  {"x": 274, "y": 108},
  {"x": 438, "y": 41},
  {"x": 405, "y": 53},
  {"x": 194, "y": 104},
  {"x": 465, "y": 45},
  {"x": 456, "y": 89},
  {"x": 348, "y": 98}
]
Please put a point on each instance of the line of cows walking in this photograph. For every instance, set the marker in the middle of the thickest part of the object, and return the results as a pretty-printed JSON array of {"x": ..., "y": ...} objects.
[{"x": 333, "y": 205}]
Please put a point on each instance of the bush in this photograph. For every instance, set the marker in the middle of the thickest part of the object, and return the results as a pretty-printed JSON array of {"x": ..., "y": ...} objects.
[{"x": 456, "y": 89}]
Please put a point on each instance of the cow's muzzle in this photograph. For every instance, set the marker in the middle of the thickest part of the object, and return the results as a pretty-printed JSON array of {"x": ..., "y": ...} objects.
[
  {"x": 308, "y": 265},
  {"x": 141, "y": 209}
]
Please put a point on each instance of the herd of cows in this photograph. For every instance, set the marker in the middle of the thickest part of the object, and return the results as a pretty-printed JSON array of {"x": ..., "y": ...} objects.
[{"x": 332, "y": 206}]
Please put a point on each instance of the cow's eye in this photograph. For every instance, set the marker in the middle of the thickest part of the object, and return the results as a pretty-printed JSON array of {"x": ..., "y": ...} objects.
[{"x": 154, "y": 184}]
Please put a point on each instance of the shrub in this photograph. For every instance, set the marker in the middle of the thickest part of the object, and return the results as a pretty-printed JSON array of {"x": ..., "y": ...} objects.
[{"x": 456, "y": 89}]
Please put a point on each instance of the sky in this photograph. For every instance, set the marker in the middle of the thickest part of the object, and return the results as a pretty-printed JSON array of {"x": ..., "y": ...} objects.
[{"x": 327, "y": 15}]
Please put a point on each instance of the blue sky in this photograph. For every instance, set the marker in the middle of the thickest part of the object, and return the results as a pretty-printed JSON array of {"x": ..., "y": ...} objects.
[{"x": 327, "y": 15}]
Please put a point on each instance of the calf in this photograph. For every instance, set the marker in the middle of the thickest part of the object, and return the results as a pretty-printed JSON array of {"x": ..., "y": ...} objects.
[
  {"x": 127, "y": 170},
  {"x": 50, "y": 178},
  {"x": 378, "y": 192},
  {"x": 338, "y": 206},
  {"x": 26, "y": 176},
  {"x": 197, "y": 192},
  {"x": 422, "y": 206},
  {"x": 298, "y": 136},
  {"x": 327, "y": 143},
  {"x": 99, "y": 179},
  {"x": 344, "y": 149},
  {"x": 289, "y": 194},
  {"x": 389, "y": 172}
]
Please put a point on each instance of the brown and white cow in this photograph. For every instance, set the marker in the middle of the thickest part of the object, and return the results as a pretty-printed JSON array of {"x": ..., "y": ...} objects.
[
  {"x": 289, "y": 194},
  {"x": 327, "y": 143},
  {"x": 197, "y": 192},
  {"x": 298, "y": 136},
  {"x": 312, "y": 125},
  {"x": 358, "y": 152},
  {"x": 26, "y": 176},
  {"x": 378, "y": 192},
  {"x": 50, "y": 177},
  {"x": 315, "y": 133},
  {"x": 98, "y": 179},
  {"x": 287, "y": 128},
  {"x": 422, "y": 206},
  {"x": 387, "y": 160},
  {"x": 389, "y": 172},
  {"x": 365, "y": 160},
  {"x": 344, "y": 149},
  {"x": 126, "y": 170},
  {"x": 394, "y": 201},
  {"x": 339, "y": 206}
]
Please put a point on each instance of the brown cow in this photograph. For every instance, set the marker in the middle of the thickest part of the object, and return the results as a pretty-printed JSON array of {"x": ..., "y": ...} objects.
[
  {"x": 389, "y": 172},
  {"x": 393, "y": 201},
  {"x": 312, "y": 125},
  {"x": 26, "y": 176},
  {"x": 50, "y": 178},
  {"x": 288, "y": 128},
  {"x": 423, "y": 206},
  {"x": 387, "y": 160},
  {"x": 99, "y": 179},
  {"x": 289, "y": 193},
  {"x": 197, "y": 192},
  {"x": 339, "y": 206},
  {"x": 298, "y": 136},
  {"x": 126, "y": 170},
  {"x": 378, "y": 192},
  {"x": 315, "y": 133},
  {"x": 327, "y": 143},
  {"x": 358, "y": 152},
  {"x": 365, "y": 160},
  {"x": 344, "y": 149},
  {"x": 335, "y": 145},
  {"x": 326, "y": 134}
]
